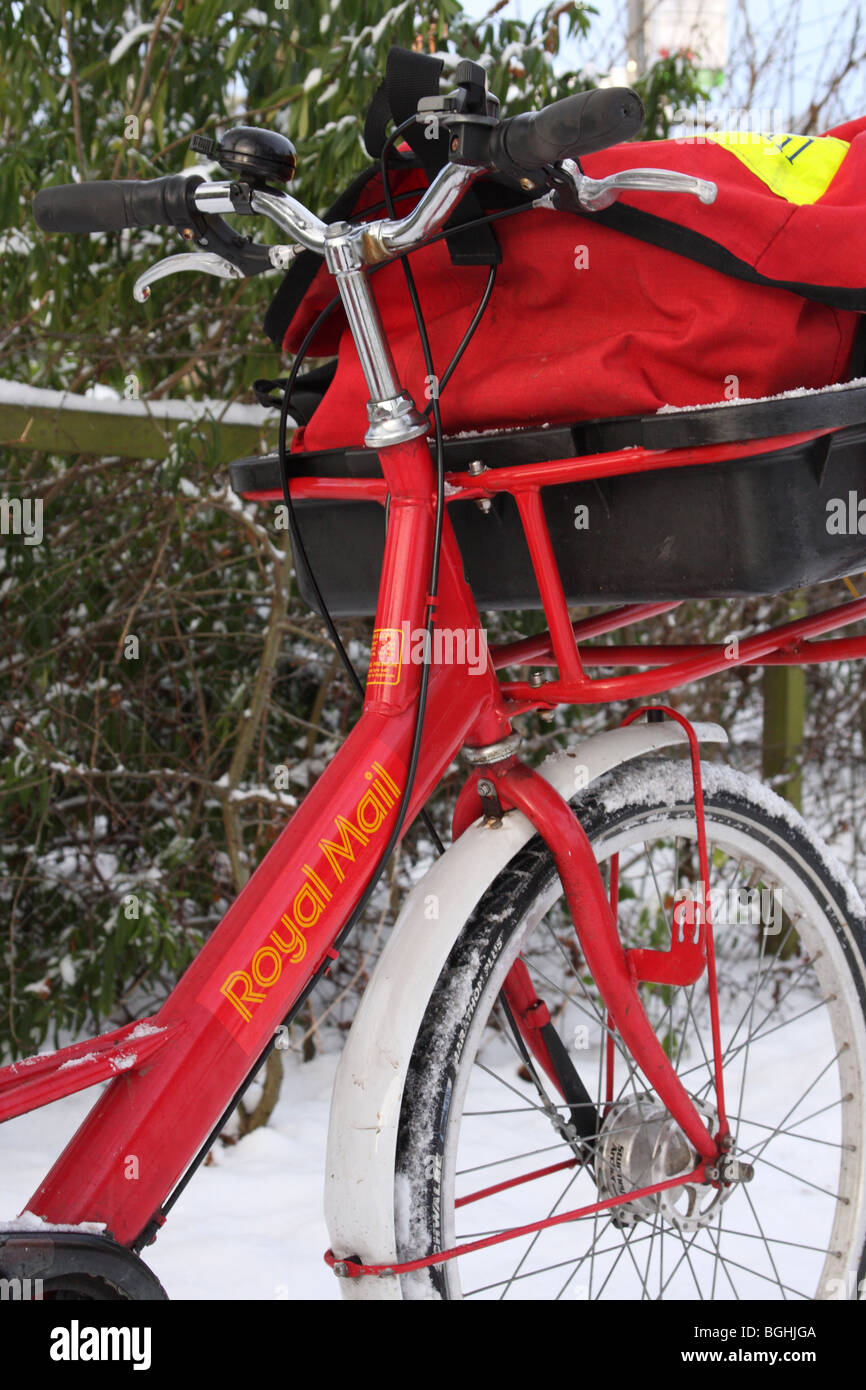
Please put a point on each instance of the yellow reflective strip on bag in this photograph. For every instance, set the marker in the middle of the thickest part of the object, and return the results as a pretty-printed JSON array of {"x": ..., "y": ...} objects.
[{"x": 799, "y": 168}]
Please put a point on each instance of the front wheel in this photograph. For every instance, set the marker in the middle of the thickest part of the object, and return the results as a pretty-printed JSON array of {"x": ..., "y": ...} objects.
[{"x": 478, "y": 1115}]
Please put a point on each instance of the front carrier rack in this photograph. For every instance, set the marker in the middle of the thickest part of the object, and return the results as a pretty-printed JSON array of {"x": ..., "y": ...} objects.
[{"x": 644, "y": 512}]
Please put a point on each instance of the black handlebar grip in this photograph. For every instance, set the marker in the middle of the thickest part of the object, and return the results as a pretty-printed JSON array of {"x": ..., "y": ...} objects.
[
  {"x": 117, "y": 203},
  {"x": 576, "y": 125}
]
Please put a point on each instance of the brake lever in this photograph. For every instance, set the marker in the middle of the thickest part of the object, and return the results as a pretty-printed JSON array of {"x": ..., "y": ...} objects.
[
  {"x": 573, "y": 189},
  {"x": 207, "y": 261},
  {"x": 279, "y": 258}
]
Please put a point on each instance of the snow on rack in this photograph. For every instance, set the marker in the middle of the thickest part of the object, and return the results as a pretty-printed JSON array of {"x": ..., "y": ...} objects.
[
  {"x": 123, "y": 1061},
  {"x": 755, "y": 400},
  {"x": 78, "y": 1061}
]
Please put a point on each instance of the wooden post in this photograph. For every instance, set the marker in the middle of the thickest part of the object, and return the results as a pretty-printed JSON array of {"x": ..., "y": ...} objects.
[
  {"x": 784, "y": 719},
  {"x": 784, "y": 727},
  {"x": 784, "y": 690},
  {"x": 79, "y": 425}
]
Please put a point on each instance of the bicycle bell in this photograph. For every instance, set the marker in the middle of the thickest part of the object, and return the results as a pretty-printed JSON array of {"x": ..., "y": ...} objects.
[{"x": 251, "y": 154}]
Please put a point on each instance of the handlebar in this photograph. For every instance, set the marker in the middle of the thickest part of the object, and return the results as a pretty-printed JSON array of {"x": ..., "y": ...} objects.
[
  {"x": 111, "y": 205},
  {"x": 288, "y": 214},
  {"x": 576, "y": 125},
  {"x": 523, "y": 147}
]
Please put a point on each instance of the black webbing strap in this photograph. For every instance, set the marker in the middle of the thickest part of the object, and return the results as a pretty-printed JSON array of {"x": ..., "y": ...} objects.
[
  {"x": 684, "y": 241},
  {"x": 377, "y": 122},
  {"x": 307, "y": 395},
  {"x": 857, "y": 365},
  {"x": 409, "y": 76}
]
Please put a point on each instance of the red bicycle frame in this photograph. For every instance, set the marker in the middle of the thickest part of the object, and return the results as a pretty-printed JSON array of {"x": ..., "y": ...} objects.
[{"x": 174, "y": 1075}]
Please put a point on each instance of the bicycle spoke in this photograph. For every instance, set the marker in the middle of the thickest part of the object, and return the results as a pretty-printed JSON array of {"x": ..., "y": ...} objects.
[
  {"x": 797, "y": 1103},
  {"x": 697, "y": 1242},
  {"x": 535, "y": 1239},
  {"x": 512, "y": 1158},
  {"x": 749, "y": 1040},
  {"x": 757, "y": 1220},
  {"x": 718, "y": 1263},
  {"x": 544, "y": 1269},
  {"x": 756, "y": 1274},
  {"x": 680, "y": 1260},
  {"x": 798, "y": 1177},
  {"x": 529, "y": 1104},
  {"x": 806, "y": 1138},
  {"x": 768, "y": 1032},
  {"x": 775, "y": 1240}
]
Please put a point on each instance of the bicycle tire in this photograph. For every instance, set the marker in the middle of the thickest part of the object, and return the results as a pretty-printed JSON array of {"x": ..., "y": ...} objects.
[{"x": 651, "y": 798}]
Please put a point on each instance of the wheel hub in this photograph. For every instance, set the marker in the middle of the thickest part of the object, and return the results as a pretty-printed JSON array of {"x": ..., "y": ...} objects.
[{"x": 640, "y": 1144}]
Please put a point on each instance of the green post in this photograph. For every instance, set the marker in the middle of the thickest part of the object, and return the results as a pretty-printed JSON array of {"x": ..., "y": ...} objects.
[
  {"x": 784, "y": 690},
  {"x": 784, "y": 726},
  {"x": 784, "y": 719}
]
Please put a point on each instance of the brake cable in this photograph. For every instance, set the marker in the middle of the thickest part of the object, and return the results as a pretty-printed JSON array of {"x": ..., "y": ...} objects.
[{"x": 152, "y": 1227}]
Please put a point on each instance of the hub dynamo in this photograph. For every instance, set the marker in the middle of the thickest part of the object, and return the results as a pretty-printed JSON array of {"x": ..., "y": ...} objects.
[{"x": 640, "y": 1144}]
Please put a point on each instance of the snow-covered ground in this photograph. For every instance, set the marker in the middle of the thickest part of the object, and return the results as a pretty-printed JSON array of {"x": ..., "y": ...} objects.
[{"x": 250, "y": 1224}]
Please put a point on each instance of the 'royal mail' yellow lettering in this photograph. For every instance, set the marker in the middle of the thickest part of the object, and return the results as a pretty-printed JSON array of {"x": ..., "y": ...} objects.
[
  {"x": 246, "y": 995},
  {"x": 331, "y": 850},
  {"x": 287, "y": 941}
]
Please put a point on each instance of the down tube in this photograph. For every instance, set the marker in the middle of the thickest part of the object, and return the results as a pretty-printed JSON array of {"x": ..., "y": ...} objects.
[{"x": 256, "y": 964}]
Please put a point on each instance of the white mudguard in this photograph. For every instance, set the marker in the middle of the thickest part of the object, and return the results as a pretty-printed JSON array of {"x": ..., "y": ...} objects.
[{"x": 368, "y": 1090}]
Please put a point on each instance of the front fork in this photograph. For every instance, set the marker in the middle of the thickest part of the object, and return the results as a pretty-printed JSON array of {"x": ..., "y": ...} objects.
[{"x": 616, "y": 971}]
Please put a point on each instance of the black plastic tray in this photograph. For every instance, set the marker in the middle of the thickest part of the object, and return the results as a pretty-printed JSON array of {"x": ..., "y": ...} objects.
[{"x": 735, "y": 528}]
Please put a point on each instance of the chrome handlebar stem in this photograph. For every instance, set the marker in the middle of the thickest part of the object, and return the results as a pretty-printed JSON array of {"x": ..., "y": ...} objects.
[{"x": 349, "y": 251}]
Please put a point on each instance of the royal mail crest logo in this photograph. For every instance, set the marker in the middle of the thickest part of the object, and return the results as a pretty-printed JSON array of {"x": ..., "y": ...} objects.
[{"x": 386, "y": 656}]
